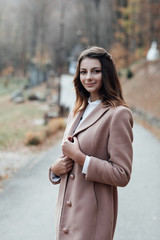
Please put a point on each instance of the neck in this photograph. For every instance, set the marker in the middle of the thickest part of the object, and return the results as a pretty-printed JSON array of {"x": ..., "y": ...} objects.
[{"x": 94, "y": 98}]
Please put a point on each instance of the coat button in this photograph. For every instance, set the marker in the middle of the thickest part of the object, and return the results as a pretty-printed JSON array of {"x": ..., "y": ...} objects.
[
  {"x": 69, "y": 203},
  {"x": 72, "y": 176},
  {"x": 65, "y": 230}
]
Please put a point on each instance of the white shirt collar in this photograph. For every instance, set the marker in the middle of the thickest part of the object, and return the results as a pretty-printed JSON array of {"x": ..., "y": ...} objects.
[{"x": 94, "y": 102}]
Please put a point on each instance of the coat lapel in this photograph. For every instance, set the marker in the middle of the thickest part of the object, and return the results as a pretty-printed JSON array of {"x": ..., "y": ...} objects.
[
  {"x": 75, "y": 122},
  {"x": 91, "y": 118}
]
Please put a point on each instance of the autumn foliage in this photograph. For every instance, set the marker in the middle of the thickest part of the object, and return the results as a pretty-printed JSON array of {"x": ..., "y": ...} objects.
[{"x": 137, "y": 24}]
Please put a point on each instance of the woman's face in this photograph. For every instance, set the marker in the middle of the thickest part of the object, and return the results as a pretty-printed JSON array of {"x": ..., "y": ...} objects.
[{"x": 91, "y": 76}]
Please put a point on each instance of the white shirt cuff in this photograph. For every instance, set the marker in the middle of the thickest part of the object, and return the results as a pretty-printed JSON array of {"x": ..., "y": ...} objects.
[
  {"x": 86, "y": 163},
  {"x": 54, "y": 178}
]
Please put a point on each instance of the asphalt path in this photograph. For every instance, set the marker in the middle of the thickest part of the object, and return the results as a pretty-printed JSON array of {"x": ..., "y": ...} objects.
[
  {"x": 139, "y": 201},
  {"x": 28, "y": 202}
]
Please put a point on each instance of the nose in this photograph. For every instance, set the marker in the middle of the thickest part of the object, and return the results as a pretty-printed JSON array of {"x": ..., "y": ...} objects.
[{"x": 89, "y": 76}]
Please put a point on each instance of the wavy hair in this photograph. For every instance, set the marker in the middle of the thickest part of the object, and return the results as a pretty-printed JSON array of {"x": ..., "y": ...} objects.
[{"x": 110, "y": 92}]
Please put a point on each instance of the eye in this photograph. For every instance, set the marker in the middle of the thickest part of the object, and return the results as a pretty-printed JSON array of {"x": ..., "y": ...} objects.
[
  {"x": 82, "y": 72},
  {"x": 97, "y": 71}
]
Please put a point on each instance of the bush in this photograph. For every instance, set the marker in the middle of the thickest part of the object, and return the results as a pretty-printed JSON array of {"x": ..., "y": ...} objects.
[
  {"x": 36, "y": 138},
  {"x": 129, "y": 73},
  {"x": 54, "y": 125},
  {"x": 33, "y": 138}
]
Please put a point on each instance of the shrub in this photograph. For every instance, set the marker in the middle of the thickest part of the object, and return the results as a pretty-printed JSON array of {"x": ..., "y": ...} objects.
[
  {"x": 33, "y": 138},
  {"x": 54, "y": 125},
  {"x": 129, "y": 73},
  {"x": 36, "y": 138}
]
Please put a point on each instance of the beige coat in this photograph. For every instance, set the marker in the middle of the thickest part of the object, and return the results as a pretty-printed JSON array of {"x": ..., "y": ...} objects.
[{"x": 87, "y": 204}]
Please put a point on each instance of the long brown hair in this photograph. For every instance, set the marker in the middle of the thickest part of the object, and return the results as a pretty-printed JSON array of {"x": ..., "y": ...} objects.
[{"x": 110, "y": 92}]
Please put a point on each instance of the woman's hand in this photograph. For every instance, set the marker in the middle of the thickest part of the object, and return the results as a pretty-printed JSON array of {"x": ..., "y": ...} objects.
[
  {"x": 70, "y": 148},
  {"x": 62, "y": 166}
]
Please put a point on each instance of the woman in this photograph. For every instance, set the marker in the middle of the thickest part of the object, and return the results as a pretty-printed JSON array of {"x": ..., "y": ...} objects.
[{"x": 96, "y": 152}]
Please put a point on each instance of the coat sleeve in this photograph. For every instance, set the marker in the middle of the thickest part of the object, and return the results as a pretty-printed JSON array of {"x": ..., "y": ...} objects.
[
  {"x": 54, "y": 178},
  {"x": 116, "y": 170}
]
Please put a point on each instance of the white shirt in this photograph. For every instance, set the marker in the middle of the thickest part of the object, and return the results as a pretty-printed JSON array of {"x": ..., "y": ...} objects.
[
  {"x": 90, "y": 107},
  {"x": 88, "y": 110}
]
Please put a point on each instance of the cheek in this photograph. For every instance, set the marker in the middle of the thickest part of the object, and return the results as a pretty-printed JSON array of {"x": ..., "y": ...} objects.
[{"x": 82, "y": 80}]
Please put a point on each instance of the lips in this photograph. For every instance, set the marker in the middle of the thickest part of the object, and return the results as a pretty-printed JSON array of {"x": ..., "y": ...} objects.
[{"x": 90, "y": 84}]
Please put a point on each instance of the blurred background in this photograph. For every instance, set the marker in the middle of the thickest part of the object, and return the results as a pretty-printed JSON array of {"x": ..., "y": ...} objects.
[{"x": 40, "y": 41}]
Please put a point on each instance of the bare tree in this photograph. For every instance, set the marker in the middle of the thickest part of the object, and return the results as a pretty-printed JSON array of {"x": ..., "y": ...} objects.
[{"x": 50, "y": 27}]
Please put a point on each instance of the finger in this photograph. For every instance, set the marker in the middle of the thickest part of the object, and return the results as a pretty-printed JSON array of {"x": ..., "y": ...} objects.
[
  {"x": 75, "y": 140},
  {"x": 70, "y": 164},
  {"x": 66, "y": 158},
  {"x": 66, "y": 162},
  {"x": 66, "y": 170},
  {"x": 69, "y": 168}
]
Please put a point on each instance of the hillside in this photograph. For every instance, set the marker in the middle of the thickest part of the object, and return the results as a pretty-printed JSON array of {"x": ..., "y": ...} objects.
[{"x": 142, "y": 93}]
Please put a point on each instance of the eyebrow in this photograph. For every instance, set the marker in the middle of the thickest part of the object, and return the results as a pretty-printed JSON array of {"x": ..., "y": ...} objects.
[{"x": 91, "y": 68}]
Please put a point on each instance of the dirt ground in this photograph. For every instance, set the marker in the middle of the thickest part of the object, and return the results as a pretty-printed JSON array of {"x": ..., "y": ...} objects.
[
  {"x": 142, "y": 93},
  {"x": 12, "y": 161},
  {"x": 143, "y": 90}
]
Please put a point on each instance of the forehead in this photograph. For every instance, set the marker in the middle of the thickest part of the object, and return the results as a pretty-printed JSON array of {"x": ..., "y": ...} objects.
[{"x": 90, "y": 63}]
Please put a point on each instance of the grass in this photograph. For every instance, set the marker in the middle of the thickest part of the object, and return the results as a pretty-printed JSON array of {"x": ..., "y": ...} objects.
[
  {"x": 17, "y": 120},
  {"x": 9, "y": 84}
]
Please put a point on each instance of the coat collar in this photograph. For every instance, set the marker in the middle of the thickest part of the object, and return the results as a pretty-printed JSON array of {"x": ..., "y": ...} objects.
[
  {"x": 75, "y": 122},
  {"x": 89, "y": 120}
]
